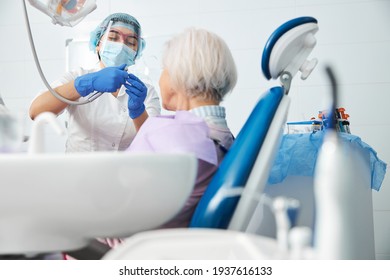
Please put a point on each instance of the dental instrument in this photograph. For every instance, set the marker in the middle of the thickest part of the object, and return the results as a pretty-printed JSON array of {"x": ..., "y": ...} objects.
[
  {"x": 65, "y": 13},
  {"x": 299, "y": 240},
  {"x": 286, "y": 212},
  {"x": 344, "y": 227}
]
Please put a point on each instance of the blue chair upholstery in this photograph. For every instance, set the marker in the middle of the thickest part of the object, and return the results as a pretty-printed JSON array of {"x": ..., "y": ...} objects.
[{"x": 237, "y": 164}]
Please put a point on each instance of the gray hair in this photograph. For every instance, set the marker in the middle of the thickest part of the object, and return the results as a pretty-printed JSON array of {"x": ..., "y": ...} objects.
[{"x": 200, "y": 63}]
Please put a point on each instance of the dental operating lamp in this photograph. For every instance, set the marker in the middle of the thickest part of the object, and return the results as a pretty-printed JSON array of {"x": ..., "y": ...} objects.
[{"x": 65, "y": 13}]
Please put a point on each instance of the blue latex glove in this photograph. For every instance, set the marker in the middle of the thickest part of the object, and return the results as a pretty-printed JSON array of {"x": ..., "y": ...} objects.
[
  {"x": 136, "y": 90},
  {"x": 108, "y": 79}
]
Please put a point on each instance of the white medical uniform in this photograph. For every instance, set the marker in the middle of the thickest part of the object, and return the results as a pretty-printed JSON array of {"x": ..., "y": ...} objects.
[{"x": 104, "y": 124}]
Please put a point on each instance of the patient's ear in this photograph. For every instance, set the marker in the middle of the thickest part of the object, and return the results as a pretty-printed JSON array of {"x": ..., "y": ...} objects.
[{"x": 170, "y": 99}]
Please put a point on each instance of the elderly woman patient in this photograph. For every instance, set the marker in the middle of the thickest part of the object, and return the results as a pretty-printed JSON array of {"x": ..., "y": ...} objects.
[{"x": 198, "y": 71}]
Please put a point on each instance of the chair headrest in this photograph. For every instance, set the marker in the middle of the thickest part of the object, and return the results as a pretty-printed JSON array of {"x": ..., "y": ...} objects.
[{"x": 288, "y": 48}]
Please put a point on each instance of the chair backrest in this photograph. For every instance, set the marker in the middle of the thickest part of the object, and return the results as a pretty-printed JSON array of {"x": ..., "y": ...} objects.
[{"x": 216, "y": 206}]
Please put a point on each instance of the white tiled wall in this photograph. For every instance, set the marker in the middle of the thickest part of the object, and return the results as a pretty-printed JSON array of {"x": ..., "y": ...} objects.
[{"x": 354, "y": 38}]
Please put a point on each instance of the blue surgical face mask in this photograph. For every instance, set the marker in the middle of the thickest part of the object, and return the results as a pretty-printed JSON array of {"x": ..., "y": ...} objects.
[{"x": 115, "y": 54}]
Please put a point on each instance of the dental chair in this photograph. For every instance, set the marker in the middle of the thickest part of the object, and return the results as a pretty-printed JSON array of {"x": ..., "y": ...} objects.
[{"x": 222, "y": 216}]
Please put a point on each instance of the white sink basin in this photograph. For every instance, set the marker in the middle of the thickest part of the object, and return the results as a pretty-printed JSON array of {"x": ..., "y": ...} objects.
[
  {"x": 56, "y": 202},
  {"x": 196, "y": 244}
]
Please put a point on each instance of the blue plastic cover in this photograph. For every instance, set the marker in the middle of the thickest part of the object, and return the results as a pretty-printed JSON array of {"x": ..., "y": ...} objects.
[
  {"x": 298, "y": 154},
  {"x": 237, "y": 164}
]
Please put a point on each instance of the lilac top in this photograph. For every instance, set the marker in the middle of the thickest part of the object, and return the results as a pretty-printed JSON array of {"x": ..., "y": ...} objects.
[{"x": 183, "y": 132}]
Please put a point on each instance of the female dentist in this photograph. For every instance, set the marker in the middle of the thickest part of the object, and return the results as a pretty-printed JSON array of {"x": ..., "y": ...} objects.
[{"x": 110, "y": 122}]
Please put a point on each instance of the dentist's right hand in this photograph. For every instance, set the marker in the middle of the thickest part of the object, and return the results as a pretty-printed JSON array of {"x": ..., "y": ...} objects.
[{"x": 108, "y": 79}]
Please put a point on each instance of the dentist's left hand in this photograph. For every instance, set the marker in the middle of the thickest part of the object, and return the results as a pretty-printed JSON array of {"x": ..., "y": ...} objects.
[
  {"x": 108, "y": 79},
  {"x": 136, "y": 90}
]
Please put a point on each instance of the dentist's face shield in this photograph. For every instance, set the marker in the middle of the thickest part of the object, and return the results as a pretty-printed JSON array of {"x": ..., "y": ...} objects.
[
  {"x": 119, "y": 28},
  {"x": 65, "y": 12},
  {"x": 129, "y": 38},
  {"x": 119, "y": 44}
]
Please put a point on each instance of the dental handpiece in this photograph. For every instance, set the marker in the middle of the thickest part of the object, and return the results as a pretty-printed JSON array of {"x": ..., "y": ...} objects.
[
  {"x": 94, "y": 95},
  {"x": 285, "y": 211}
]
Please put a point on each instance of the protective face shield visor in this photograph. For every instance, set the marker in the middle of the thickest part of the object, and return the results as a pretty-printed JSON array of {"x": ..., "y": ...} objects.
[
  {"x": 120, "y": 43},
  {"x": 65, "y": 12}
]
